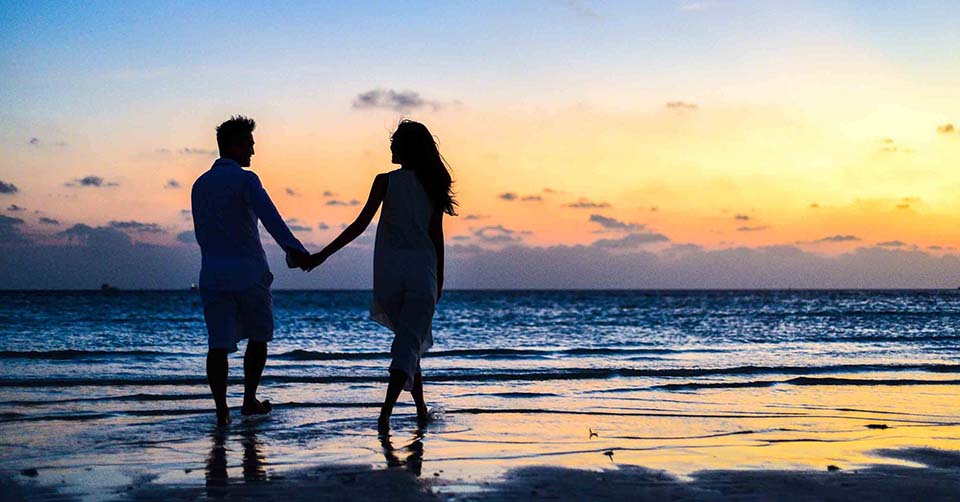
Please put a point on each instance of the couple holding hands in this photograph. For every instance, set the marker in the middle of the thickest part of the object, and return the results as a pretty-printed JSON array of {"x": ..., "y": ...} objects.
[{"x": 228, "y": 201}]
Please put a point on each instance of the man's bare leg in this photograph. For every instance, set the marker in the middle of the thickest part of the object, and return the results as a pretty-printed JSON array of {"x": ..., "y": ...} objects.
[
  {"x": 254, "y": 360},
  {"x": 217, "y": 369}
]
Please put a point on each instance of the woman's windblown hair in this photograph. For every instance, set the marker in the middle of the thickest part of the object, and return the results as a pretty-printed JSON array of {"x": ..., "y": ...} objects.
[{"x": 416, "y": 146}]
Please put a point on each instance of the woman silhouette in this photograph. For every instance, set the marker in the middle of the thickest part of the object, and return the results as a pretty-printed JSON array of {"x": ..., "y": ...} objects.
[{"x": 408, "y": 255}]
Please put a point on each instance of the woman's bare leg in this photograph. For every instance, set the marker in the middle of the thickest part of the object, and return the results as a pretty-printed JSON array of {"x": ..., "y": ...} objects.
[
  {"x": 397, "y": 379},
  {"x": 422, "y": 413}
]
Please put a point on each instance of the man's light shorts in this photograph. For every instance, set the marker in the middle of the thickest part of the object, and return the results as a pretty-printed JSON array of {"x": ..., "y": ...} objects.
[{"x": 232, "y": 316}]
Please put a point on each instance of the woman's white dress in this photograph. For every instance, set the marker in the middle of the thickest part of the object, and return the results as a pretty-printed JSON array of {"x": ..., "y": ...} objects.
[{"x": 405, "y": 271}]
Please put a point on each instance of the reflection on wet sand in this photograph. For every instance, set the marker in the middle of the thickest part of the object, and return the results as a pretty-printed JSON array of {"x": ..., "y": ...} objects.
[
  {"x": 413, "y": 461},
  {"x": 253, "y": 463}
]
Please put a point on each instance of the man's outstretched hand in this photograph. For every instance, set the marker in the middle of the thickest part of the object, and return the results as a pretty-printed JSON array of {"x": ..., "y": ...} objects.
[{"x": 297, "y": 259}]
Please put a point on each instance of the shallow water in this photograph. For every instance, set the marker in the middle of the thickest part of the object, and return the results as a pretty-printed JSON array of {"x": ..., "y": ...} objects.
[{"x": 101, "y": 390}]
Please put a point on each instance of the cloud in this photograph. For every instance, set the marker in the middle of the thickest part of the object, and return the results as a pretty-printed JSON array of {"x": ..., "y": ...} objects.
[
  {"x": 742, "y": 217},
  {"x": 682, "y": 106},
  {"x": 839, "y": 238},
  {"x": 496, "y": 234},
  {"x": 891, "y": 244},
  {"x": 472, "y": 217},
  {"x": 328, "y": 193},
  {"x": 15, "y": 208},
  {"x": 172, "y": 184},
  {"x": 8, "y": 188},
  {"x": 390, "y": 99},
  {"x": 323, "y": 226},
  {"x": 138, "y": 227},
  {"x": 510, "y": 196},
  {"x": 631, "y": 241},
  {"x": 946, "y": 129},
  {"x": 814, "y": 205},
  {"x": 34, "y": 141},
  {"x": 10, "y": 230},
  {"x": 48, "y": 221},
  {"x": 584, "y": 203},
  {"x": 291, "y": 192},
  {"x": 351, "y": 202},
  {"x": 106, "y": 237},
  {"x": 752, "y": 229},
  {"x": 294, "y": 225},
  {"x": 187, "y": 237},
  {"x": 613, "y": 223},
  {"x": 91, "y": 181},
  {"x": 198, "y": 151},
  {"x": 461, "y": 237}
]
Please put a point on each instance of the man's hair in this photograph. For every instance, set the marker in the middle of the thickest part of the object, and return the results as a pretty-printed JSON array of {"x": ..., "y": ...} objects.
[{"x": 233, "y": 130}]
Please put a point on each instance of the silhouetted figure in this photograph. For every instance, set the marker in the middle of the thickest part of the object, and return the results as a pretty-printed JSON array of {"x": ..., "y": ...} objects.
[
  {"x": 408, "y": 255},
  {"x": 234, "y": 277}
]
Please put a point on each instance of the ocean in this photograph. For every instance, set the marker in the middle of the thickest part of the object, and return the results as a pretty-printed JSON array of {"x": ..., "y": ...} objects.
[{"x": 93, "y": 383}]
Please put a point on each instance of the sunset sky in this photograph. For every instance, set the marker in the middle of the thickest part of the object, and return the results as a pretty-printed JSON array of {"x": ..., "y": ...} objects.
[{"x": 829, "y": 129}]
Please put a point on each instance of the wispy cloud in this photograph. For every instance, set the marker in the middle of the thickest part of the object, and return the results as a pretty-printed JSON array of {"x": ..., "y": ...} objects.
[
  {"x": 91, "y": 181},
  {"x": 136, "y": 226},
  {"x": 891, "y": 244},
  {"x": 291, "y": 192},
  {"x": 351, "y": 202},
  {"x": 393, "y": 100},
  {"x": 497, "y": 234},
  {"x": 323, "y": 226},
  {"x": 508, "y": 196},
  {"x": 172, "y": 183},
  {"x": 682, "y": 106},
  {"x": 631, "y": 241},
  {"x": 15, "y": 208},
  {"x": 187, "y": 237},
  {"x": 10, "y": 230},
  {"x": 839, "y": 238},
  {"x": 294, "y": 225},
  {"x": 473, "y": 217},
  {"x": 752, "y": 229},
  {"x": 8, "y": 188},
  {"x": 613, "y": 223},
  {"x": 946, "y": 129},
  {"x": 742, "y": 217},
  {"x": 584, "y": 203},
  {"x": 198, "y": 151},
  {"x": 48, "y": 221}
]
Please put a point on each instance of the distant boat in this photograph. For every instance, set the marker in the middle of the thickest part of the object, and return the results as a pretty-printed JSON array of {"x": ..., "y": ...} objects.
[{"x": 107, "y": 287}]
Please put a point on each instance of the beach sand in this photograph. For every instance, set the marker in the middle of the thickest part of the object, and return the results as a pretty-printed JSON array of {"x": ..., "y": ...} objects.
[{"x": 516, "y": 443}]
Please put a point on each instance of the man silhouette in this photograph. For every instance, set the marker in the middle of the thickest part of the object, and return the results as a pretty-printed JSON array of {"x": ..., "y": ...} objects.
[{"x": 235, "y": 280}]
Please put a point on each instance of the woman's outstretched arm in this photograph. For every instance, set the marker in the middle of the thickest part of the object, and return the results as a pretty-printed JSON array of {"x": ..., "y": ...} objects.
[
  {"x": 377, "y": 191},
  {"x": 436, "y": 235}
]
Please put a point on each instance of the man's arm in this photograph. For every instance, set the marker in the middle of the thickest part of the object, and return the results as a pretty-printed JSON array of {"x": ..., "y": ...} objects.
[{"x": 267, "y": 213}]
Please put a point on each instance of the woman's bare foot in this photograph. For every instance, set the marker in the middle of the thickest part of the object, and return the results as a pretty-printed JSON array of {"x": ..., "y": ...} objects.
[
  {"x": 423, "y": 414},
  {"x": 256, "y": 408}
]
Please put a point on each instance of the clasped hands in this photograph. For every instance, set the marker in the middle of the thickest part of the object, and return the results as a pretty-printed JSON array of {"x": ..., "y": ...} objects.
[{"x": 304, "y": 261}]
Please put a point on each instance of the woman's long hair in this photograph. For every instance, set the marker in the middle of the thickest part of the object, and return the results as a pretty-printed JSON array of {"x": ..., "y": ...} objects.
[{"x": 417, "y": 149}]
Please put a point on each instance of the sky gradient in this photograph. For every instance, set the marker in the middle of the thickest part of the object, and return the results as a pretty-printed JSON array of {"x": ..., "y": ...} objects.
[{"x": 782, "y": 138}]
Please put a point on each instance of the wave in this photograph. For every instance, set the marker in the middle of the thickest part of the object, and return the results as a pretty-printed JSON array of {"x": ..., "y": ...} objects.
[
  {"x": 81, "y": 354},
  {"x": 564, "y": 374},
  {"x": 487, "y": 353},
  {"x": 824, "y": 381}
]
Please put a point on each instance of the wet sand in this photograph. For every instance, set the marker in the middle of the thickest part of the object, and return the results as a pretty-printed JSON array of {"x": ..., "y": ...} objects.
[{"x": 768, "y": 443}]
